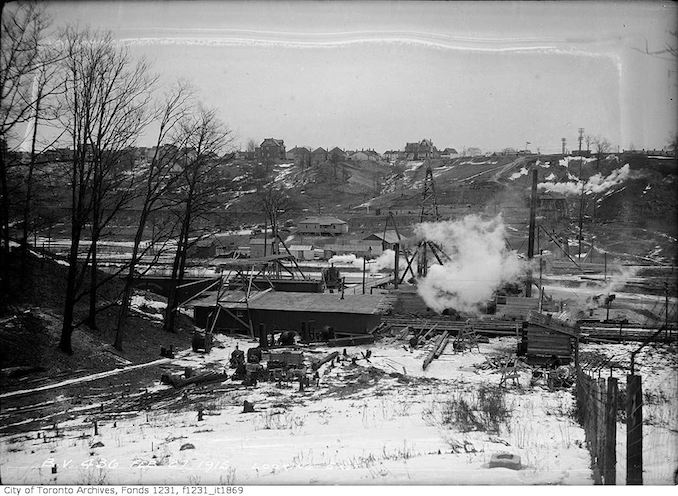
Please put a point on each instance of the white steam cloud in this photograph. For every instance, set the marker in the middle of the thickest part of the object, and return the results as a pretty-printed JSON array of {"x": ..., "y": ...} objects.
[
  {"x": 516, "y": 175},
  {"x": 387, "y": 261},
  {"x": 596, "y": 183},
  {"x": 480, "y": 263},
  {"x": 617, "y": 280},
  {"x": 346, "y": 259}
]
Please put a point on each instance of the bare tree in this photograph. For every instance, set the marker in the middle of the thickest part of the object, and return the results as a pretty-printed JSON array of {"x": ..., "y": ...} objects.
[
  {"x": 251, "y": 146},
  {"x": 22, "y": 42},
  {"x": 122, "y": 97},
  {"x": 204, "y": 138},
  {"x": 47, "y": 86},
  {"x": 274, "y": 201},
  {"x": 104, "y": 109},
  {"x": 602, "y": 146},
  {"x": 158, "y": 179}
]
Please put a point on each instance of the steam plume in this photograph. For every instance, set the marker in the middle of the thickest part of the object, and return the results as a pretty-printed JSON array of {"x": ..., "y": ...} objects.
[
  {"x": 480, "y": 263},
  {"x": 387, "y": 261},
  {"x": 596, "y": 183}
]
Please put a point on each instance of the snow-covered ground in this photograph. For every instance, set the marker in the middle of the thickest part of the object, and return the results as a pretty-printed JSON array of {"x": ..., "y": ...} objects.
[{"x": 382, "y": 422}]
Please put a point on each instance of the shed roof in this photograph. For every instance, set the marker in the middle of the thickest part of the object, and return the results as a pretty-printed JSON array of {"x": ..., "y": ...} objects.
[
  {"x": 300, "y": 247},
  {"x": 323, "y": 221},
  {"x": 389, "y": 237},
  {"x": 285, "y": 301}
]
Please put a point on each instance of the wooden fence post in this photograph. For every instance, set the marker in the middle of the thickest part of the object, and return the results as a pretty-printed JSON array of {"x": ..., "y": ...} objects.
[
  {"x": 610, "y": 469},
  {"x": 634, "y": 430},
  {"x": 600, "y": 426}
]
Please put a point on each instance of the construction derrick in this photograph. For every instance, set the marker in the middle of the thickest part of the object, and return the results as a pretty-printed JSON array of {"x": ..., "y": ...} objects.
[{"x": 429, "y": 213}]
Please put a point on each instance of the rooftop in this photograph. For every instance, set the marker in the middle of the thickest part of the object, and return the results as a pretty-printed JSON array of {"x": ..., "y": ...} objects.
[
  {"x": 323, "y": 221},
  {"x": 298, "y": 302}
]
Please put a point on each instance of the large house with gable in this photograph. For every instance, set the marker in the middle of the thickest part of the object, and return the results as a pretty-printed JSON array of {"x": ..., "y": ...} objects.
[{"x": 271, "y": 150}]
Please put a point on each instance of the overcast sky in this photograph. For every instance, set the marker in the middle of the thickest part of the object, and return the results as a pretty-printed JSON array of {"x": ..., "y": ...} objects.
[{"x": 375, "y": 75}]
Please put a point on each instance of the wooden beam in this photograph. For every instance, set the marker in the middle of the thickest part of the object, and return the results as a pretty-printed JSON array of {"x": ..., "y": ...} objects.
[{"x": 432, "y": 354}]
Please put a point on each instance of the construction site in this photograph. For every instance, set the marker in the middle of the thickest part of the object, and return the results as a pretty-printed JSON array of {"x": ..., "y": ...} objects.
[
  {"x": 448, "y": 358},
  {"x": 337, "y": 243}
]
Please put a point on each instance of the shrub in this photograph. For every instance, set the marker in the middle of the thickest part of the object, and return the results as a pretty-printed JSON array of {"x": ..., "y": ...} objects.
[{"x": 484, "y": 409}]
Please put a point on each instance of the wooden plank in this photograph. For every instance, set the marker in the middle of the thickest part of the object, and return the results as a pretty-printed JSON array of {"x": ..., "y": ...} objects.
[
  {"x": 428, "y": 332},
  {"x": 403, "y": 334},
  {"x": 432, "y": 353},
  {"x": 634, "y": 430},
  {"x": 351, "y": 340},
  {"x": 324, "y": 360},
  {"x": 442, "y": 346},
  {"x": 610, "y": 468}
]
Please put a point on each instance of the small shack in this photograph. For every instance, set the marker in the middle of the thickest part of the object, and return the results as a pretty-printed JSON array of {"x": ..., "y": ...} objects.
[
  {"x": 544, "y": 339},
  {"x": 204, "y": 248},
  {"x": 302, "y": 252},
  {"x": 261, "y": 247}
]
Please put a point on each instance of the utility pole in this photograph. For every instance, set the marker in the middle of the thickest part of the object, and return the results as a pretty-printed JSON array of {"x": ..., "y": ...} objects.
[
  {"x": 530, "y": 238},
  {"x": 541, "y": 289},
  {"x": 666, "y": 306},
  {"x": 581, "y": 199}
]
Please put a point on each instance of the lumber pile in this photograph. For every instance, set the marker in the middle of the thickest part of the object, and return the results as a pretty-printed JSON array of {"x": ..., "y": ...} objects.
[{"x": 517, "y": 307}]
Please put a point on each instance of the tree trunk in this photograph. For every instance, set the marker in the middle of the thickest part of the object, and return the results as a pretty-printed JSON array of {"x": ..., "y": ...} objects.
[
  {"x": 93, "y": 280},
  {"x": 94, "y": 240},
  {"x": 4, "y": 225},
  {"x": 168, "y": 324},
  {"x": 178, "y": 267},
  {"x": 29, "y": 191},
  {"x": 129, "y": 281},
  {"x": 69, "y": 304}
]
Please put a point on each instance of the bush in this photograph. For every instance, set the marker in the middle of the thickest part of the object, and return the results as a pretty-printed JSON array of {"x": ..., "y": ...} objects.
[{"x": 484, "y": 409}]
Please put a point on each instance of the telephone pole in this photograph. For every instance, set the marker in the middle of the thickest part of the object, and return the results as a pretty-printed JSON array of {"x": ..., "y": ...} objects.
[
  {"x": 581, "y": 198},
  {"x": 530, "y": 238}
]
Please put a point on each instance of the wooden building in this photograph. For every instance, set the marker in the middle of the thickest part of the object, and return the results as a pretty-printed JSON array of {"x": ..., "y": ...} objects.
[
  {"x": 545, "y": 340},
  {"x": 318, "y": 156},
  {"x": 261, "y": 247},
  {"x": 322, "y": 225},
  {"x": 271, "y": 150},
  {"x": 281, "y": 311}
]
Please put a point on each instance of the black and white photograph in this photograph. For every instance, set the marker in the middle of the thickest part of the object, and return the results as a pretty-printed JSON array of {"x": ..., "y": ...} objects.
[{"x": 333, "y": 243}]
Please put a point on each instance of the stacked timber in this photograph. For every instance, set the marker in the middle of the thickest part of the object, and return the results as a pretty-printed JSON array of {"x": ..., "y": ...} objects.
[
  {"x": 516, "y": 307},
  {"x": 491, "y": 327}
]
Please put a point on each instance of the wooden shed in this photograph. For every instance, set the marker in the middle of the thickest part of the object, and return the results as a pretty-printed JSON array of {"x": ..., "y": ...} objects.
[{"x": 544, "y": 338}]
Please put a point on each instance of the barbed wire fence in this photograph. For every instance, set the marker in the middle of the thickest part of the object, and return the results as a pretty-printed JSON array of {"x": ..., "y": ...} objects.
[{"x": 605, "y": 404}]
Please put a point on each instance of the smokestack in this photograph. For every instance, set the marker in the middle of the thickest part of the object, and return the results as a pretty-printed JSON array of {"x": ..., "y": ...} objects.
[
  {"x": 530, "y": 239},
  {"x": 396, "y": 248}
]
